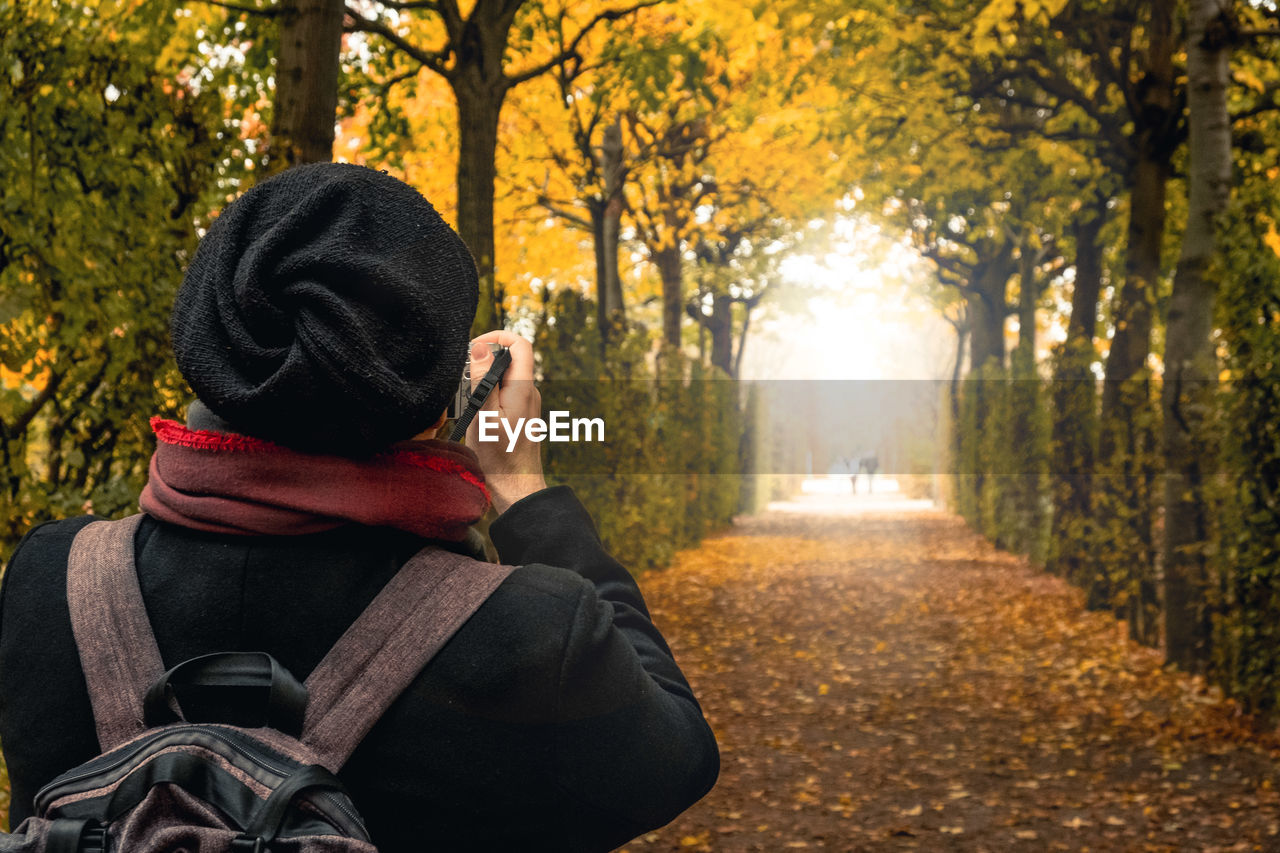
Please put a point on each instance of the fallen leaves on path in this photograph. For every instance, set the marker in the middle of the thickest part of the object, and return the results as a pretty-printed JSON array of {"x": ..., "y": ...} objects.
[{"x": 891, "y": 682}]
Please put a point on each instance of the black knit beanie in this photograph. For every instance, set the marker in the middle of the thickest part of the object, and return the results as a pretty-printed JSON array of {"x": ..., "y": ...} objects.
[{"x": 328, "y": 309}]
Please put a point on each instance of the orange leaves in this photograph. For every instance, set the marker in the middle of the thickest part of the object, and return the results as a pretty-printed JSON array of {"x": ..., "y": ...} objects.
[
  {"x": 25, "y": 377},
  {"x": 1272, "y": 238},
  {"x": 880, "y": 681}
]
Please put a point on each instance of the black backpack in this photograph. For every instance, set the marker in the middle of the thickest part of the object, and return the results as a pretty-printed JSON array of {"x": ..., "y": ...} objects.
[{"x": 264, "y": 781}]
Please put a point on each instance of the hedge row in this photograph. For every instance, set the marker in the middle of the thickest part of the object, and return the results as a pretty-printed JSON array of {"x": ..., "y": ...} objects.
[
  {"x": 1041, "y": 471},
  {"x": 669, "y": 469}
]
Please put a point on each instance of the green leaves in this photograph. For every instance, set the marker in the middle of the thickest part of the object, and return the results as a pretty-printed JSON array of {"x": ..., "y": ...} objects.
[
  {"x": 107, "y": 162},
  {"x": 667, "y": 472}
]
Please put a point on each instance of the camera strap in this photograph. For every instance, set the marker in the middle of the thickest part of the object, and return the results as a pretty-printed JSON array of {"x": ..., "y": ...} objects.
[{"x": 481, "y": 393}]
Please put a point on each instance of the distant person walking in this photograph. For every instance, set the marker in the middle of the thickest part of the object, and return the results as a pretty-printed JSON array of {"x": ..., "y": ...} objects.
[
  {"x": 851, "y": 465},
  {"x": 869, "y": 463}
]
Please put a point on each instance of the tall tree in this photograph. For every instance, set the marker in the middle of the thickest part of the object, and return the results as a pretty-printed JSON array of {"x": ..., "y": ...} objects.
[
  {"x": 664, "y": 207},
  {"x": 1155, "y": 115},
  {"x": 1190, "y": 360},
  {"x": 1113, "y": 65},
  {"x": 1074, "y": 441},
  {"x": 583, "y": 138},
  {"x": 306, "y": 98},
  {"x": 473, "y": 53}
]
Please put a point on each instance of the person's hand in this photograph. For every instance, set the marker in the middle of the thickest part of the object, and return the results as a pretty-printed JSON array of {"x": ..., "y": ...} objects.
[{"x": 515, "y": 473}]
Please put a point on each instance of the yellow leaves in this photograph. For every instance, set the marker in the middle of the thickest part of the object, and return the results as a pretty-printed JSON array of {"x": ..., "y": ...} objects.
[
  {"x": 996, "y": 24},
  {"x": 1272, "y": 238},
  {"x": 1002, "y": 711},
  {"x": 1251, "y": 80},
  {"x": 11, "y": 379},
  {"x": 27, "y": 376},
  {"x": 857, "y": 16}
]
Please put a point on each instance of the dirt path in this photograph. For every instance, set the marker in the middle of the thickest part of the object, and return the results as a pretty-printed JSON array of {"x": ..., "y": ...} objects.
[{"x": 888, "y": 681}]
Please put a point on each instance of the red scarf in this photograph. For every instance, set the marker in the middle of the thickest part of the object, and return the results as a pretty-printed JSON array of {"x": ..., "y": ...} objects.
[{"x": 227, "y": 483}]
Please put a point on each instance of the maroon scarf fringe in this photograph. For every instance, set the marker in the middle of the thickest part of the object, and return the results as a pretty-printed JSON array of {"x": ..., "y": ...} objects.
[{"x": 228, "y": 483}]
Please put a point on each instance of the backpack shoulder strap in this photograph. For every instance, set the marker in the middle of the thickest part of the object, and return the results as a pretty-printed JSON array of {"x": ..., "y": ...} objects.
[
  {"x": 413, "y": 616},
  {"x": 118, "y": 651}
]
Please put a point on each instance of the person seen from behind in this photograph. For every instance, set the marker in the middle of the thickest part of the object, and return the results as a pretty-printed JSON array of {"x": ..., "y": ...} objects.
[{"x": 323, "y": 326}]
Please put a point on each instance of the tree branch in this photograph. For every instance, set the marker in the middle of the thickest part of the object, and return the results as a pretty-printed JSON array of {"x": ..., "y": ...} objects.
[
  {"x": 267, "y": 12},
  {"x": 24, "y": 420},
  {"x": 1266, "y": 103},
  {"x": 453, "y": 22},
  {"x": 958, "y": 270},
  {"x": 434, "y": 60},
  {"x": 407, "y": 5},
  {"x": 1255, "y": 111},
  {"x": 571, "y": 50},
  {"x": 559, "y": 212},
  {"x": 386, "y": 84},
  {"x": 1056, "y": 85}
]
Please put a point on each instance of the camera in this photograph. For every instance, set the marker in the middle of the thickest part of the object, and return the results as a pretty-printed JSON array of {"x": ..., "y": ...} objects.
[{"x": 462, "y": 396}]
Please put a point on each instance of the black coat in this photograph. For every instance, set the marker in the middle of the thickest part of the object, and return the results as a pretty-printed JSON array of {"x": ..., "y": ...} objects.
[{"x": 555, "y": 719}]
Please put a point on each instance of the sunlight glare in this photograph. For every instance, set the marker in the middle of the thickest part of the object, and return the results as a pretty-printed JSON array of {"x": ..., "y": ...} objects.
[{"x": 862, "y": 313}]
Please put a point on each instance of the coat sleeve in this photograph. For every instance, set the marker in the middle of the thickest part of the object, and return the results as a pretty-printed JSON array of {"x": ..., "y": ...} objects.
[
  {"x": 631, "y": 741},
  {"x": 46, "y": 720}
]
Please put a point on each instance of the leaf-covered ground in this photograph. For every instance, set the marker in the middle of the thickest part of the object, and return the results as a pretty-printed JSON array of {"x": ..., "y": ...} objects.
[{"x": 886, "y": 680}]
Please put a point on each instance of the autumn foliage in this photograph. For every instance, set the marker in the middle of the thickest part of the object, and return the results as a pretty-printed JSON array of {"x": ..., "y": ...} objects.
[
  {"x": 1091, "y": 186},
  {"x": 890, "y": 681}
]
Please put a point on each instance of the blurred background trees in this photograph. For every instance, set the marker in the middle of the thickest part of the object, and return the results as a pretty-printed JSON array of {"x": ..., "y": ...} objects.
[{"x": 1089, "y": 185}]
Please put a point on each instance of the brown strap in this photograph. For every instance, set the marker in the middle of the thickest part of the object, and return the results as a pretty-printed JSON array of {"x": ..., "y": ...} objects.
[
  {"x": 388, "y": 645},
  {"x": 118, "y": 650}
]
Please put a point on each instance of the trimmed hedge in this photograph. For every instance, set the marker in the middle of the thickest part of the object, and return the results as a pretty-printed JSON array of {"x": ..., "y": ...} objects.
[{"x": 670, "y": 469}]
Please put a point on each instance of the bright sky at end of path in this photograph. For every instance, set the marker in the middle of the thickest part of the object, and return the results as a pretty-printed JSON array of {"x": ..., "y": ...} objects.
[{"x": 862, "y": 313}]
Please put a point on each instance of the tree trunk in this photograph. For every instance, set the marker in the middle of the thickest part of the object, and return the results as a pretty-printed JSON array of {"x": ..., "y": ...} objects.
[
  {"x": 1149, "y": 178},
  {"x": 987, "y": 308},
  {"x": 1024, "y": 354},
  {"x": 1082, "y": 325},
  {"x": 595, "y": 208},
  {"x": 1075, "y": 424},
  {"x": 1135, "y": 303},
  {"x": 986, "y": 333},
  {"x": 1190, "y": 365},
  {"x": 720, "y": 325},
  {"x": 306, "y": 102},
  {"x": 1019, "y": 511},
  {"x": 955, "y": 445},
  {"x": 957, "y": 369},
  {"x": 669, "y": 265},
  {"x": 742, "y": 337},
  {"x": 1124, "y": 578},
  {"x": 478, "y": 110},
  {"x": 614, "y": 168}
]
